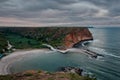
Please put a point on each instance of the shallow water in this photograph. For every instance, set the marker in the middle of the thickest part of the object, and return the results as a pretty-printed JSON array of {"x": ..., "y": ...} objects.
[{"x": 106, "y": 42}]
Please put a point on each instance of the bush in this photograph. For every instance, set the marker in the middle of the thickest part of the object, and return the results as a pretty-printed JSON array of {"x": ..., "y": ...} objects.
[
  {"x": 6, "y": 77},
  {"x": 28, "y": 74},
  {"x": 77, "y": 77}
]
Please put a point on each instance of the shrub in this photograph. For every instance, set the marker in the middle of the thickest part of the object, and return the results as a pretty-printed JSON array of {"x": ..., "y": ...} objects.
[
  {"x": 28, "y": 74},
  {"x": 6, "y": 77}
]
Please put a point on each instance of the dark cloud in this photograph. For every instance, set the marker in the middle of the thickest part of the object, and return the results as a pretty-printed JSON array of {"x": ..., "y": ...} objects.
[
  {"x": 1, "y": 1},
  {"x": 73, "y": 12}
]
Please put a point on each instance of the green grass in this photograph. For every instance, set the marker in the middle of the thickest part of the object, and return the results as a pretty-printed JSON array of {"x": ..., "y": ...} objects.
[
  {"x": 50, "y": 79},
  {"x": 45, "y": 76},
  {"x": 28, "y": 74},
  {"x": 6, "y": 77},
  {"x": 21, "y": 42},
  {"x": 77, "y": 77},
  {"x": 39, "y": 71}
]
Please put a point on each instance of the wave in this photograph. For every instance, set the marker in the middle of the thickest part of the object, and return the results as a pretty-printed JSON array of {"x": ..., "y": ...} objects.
[
  {"x": 78, "y": 50},
  {"x": 103, "y": 52},
  {"x": 84, "y": 50},
  {"x": 97, "y": 49},
  {"x": 63, "y": 51},
  {"x": 52, "y": 48},
  {"x": 100, "y": 58},
  {"x": 96, "y": 41},
  {"x": 85, "y": 42},
  {"x": 113, "y": 55}
]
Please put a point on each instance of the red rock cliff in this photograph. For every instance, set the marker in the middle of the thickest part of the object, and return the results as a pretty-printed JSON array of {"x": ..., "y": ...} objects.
[
  {"x": 77, "y": 35},
  {"x": 58, "y": 37}
]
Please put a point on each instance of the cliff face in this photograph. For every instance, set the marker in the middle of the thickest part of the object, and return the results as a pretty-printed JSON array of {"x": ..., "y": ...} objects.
[
  {"x": 58, "y": 37},
  {"x": 76, "y": 36}
]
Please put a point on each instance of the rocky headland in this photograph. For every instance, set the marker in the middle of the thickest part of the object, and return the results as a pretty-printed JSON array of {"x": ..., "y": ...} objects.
[{"x": 58, "y": 37}]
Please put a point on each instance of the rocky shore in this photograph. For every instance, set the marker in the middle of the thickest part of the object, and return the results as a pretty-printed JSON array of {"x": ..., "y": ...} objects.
[
  {"x": 44, "y": 75},
  {"x": 71, "y": 70}
]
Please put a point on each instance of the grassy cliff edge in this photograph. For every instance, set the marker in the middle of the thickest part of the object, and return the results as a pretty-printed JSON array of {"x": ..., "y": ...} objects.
[{"x": 43, "y": 75}]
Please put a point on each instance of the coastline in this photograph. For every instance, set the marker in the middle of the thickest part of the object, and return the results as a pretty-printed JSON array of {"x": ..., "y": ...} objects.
[
  {"x": 19, "y": 54},
  {"x": 6, "y": 61}
]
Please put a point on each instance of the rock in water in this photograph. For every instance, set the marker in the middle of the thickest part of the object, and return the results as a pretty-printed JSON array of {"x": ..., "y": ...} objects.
[{"x": 71, "y": 70}]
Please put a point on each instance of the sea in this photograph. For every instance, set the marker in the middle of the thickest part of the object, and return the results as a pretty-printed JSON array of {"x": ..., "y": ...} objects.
[{"x": 106, "y": 42}]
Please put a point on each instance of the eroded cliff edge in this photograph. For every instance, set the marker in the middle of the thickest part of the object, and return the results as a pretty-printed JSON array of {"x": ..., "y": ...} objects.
[
  {"x": 77, "y": 35},
  {"x": 58, "y": 37}
]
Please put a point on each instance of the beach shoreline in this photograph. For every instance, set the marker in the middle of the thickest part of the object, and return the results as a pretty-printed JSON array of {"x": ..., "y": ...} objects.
[{"x": 6, "y": 61}]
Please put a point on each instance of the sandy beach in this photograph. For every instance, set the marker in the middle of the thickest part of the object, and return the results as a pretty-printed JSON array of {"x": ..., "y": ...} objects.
[{"x": 6, "y": 61}]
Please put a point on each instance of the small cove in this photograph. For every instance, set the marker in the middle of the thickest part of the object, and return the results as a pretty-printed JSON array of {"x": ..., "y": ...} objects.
[{"x": 105, "y": 68}]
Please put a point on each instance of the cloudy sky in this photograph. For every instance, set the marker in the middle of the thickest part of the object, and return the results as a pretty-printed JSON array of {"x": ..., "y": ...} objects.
[{"x": 59, "y": 12}]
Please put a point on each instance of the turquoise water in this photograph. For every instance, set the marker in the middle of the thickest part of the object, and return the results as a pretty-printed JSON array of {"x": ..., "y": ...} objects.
[{"x": 106, "y": 42}]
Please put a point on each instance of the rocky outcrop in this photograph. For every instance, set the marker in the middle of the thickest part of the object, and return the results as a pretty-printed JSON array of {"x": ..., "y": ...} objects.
[
  {"x": 71, "y": 70},
  {"x": 77, "y": 35},
  {"x": 58, "y": 37}
]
